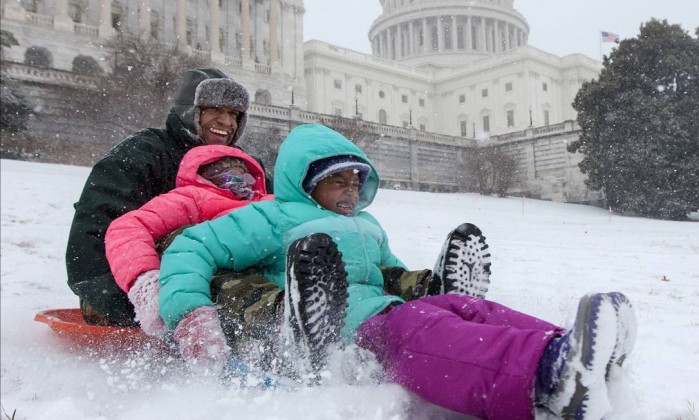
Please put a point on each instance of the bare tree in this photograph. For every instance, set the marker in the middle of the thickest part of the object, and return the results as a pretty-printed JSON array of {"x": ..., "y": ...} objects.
[
  {"x": 138, "y": 89},
  {"x": 357, "y": 130},
  {"x": 493, "y": 169}
]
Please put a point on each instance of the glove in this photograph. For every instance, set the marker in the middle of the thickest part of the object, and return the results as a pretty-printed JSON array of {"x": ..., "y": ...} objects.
[
  {"x": 201, "y": 341},
  {"x": 144, "y": 297}
]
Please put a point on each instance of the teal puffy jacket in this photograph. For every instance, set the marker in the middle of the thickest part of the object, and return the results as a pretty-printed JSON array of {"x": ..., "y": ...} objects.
[{"x": 259, "y": 235}]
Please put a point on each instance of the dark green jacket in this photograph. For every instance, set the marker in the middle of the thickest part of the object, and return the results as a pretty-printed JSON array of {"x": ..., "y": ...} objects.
[{"x": 139, "y": 168}]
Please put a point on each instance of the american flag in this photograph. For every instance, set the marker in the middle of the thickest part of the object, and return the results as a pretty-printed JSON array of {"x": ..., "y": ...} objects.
[{"x": 609, "y": 37}]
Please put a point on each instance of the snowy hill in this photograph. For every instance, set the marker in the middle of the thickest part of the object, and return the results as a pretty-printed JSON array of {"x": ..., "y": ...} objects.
[{"x": 545, "y": 257}]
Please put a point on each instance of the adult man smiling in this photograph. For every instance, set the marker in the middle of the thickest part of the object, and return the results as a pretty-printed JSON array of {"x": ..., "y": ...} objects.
[{"x": 209, "y": 108}]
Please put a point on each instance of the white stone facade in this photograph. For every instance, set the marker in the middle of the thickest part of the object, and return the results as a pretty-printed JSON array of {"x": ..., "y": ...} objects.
[
  {"x": 456, "y": 67},
  {"x": 270, "y": 61}
]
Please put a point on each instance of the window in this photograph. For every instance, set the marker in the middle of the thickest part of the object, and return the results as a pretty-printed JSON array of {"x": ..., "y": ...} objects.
[
  {"x": 405, "y": 124},
  {"x": 463, "y": 127},
  {"x": 381, "y": 94},
  {"x": 357, "y": 88},
  {"x": 422, "y": 127},
  {"x": 190, "y": 32},
  {"x": 545, "y": 87},
  {"x": 404, "y": 99},
  {"x": 510, "y": 118},
  {"x": 338, "y": 84},
  {"x": 75, "y": 11},
  {"x": 221, "y": 39},
  {"x": 382, "y": 117},
  {"x": 462, "y": 98},
  {"x": 486, "y": 123},
  {"x": 484, "y": 93},
  {"x": 508, "y": 87},
  {"x": 154, "y": 24},
  {"x": 337, "y": 111},
  {"x": 421, "y": 102},
  {"x": 546, "y": 117}
]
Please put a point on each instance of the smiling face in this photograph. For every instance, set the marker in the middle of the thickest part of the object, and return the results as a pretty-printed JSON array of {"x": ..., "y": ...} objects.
[
  {"x": 338, "y": 192},
  {"x": 218, "y": 125}
]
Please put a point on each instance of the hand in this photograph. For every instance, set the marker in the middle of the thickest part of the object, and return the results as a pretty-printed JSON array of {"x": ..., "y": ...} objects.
[
  {"x": 144, "y": 297},
  {"x": 202, "y": 342}
]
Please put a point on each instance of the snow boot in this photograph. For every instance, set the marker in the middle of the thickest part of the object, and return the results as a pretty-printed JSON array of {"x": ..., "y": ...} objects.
[
  {"x": 315, "y": 296},
  {"x": 463, "y": 265},
  {"x": 571, "y": 377},
  {"x": 626, "y": 330}
]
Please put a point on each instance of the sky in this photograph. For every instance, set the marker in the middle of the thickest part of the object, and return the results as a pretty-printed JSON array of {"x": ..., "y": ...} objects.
[
  {"x": 560, "y": 27},
  {"x": 545, "y": 256}
]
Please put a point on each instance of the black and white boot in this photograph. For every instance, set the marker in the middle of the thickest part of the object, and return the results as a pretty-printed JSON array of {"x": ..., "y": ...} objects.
[
  {"x": 463, "y": 266},
  {"x": 315, "y": 296}
]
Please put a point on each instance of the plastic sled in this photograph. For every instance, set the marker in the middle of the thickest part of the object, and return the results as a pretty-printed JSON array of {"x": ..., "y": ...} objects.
[{"x": 70, "y": 325}]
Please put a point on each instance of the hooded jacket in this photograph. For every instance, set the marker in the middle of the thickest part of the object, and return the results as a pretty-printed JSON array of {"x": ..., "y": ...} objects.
[
  {"x": 141, "y": 167},
  {"x": 260, "y": 234},
  {"x": 131, "y": 238}
]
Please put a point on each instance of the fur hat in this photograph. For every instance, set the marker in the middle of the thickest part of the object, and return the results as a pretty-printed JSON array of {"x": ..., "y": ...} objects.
[
  {"x": 213, "y": 93},
  {"x": 232, "y": 94},
  {"x": 323, "y": 168}
]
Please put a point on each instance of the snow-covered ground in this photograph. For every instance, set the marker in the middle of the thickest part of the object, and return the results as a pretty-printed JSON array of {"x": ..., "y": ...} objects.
[{"x": 545, "y": 257}]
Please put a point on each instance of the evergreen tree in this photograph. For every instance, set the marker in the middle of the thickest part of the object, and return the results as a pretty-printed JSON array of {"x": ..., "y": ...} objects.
[
  {"x": 14, "y": 110},
  {"x": 640, "y": 124}
]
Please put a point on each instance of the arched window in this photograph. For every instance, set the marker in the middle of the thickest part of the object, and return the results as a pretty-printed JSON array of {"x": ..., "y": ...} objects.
[{"x": 382, "y": 117}]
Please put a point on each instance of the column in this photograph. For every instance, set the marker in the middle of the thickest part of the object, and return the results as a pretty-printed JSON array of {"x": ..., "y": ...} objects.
[
  {"x": 401, "y": 41},
  {"x": 424, "y": 36},
  {"x": 274, "y": 32},
  {"x": 440, "y": 35},
  {"x": 391, "y": 45},
  {"x": 143, "y": 19},
  {"x": 214, "y": 43},
  {"x": 245, "y": 35},
  {"x": 61, "y": 21},
  {"x": 467, "y": 29},
  {"x": 484, "y": 36},
  {"x": 181, "y": 26},
  {"x": 411, "y": 33},
  {"x": 508, "y": 37},
  {"x": 454, "y": 35},
  {"x": 497, "y": 44},
  {"x": 105, "y": 29}
]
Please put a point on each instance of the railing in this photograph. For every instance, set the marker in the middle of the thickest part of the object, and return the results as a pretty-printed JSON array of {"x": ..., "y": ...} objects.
[
  {"x": 24, "y": 72},
  {"x": 263, "y": 68},
  {"x": 40, "y": 20},
  {"x": 233, "y": 62},
  {"x": 82, "y": 29}
]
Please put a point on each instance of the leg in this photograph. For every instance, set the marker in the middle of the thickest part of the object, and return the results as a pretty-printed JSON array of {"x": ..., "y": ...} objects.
[
  {"x": 408, "y": 285},
  {"x": 465, "y": 354},
  {"x": 315, "y": 296},
  {"x": 573, "y": 371},
  {"x": 463, "y": 266}
]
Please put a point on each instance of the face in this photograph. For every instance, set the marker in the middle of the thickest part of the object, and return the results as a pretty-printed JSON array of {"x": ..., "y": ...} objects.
[
  {"x": 228, "y": 165},
  {"x": 218, "y": 125},
  {"x": 338, "y": 192}
]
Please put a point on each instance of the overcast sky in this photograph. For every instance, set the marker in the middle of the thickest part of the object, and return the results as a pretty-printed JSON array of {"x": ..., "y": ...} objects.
[{"x": 557, "y": 26}]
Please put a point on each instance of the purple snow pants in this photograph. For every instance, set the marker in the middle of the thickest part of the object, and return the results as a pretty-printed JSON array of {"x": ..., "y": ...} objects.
[{"x": 465, "y": 354}]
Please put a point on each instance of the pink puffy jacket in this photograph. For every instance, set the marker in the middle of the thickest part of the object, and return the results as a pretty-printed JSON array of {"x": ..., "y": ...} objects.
[{"x": 130, "y": 240}]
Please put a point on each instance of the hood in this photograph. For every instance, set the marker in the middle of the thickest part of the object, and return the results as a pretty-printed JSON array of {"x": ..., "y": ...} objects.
[
  {"x": 306, "y": 144},
  {"x": 188, "y": 113},
  {"x": 202, "y": 155}
]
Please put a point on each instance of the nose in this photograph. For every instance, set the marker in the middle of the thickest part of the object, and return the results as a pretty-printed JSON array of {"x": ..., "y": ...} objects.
[{"x": 227, "y": 118}]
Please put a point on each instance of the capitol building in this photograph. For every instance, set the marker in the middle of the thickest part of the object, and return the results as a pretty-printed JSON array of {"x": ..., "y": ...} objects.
[{"x": 460, "y": 70}]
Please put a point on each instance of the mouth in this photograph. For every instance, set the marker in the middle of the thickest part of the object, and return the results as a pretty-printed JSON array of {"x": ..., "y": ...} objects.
[
  {"x": 345, "y": 208},
  {"x": 219, "y": 132}
]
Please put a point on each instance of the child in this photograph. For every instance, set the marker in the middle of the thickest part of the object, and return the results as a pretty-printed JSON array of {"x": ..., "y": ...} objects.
[
  {"x": 467, "y": 354},
  {"x": 212, "y": 180}
]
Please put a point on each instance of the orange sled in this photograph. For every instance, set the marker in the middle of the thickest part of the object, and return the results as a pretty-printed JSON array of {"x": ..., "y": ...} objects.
[{"x": 70, "y": 325}]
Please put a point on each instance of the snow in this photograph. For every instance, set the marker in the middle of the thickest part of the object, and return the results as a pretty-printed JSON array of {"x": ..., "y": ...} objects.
[{"x": 545, "y": 257}]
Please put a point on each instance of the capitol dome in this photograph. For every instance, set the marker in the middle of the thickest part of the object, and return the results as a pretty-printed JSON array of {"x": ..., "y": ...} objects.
[{"x": 446, "y": 33}]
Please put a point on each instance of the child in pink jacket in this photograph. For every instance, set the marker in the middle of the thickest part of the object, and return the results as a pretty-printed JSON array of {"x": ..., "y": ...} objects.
[{"x": 211, "y": 181}]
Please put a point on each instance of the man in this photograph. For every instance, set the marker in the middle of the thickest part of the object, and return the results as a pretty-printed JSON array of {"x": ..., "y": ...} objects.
[{"x": 210, "y": 108}]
